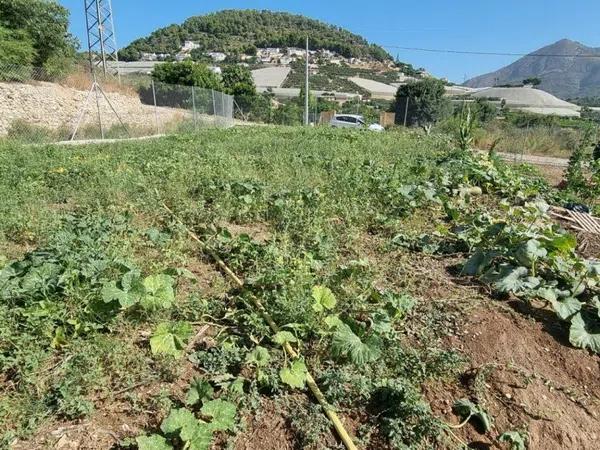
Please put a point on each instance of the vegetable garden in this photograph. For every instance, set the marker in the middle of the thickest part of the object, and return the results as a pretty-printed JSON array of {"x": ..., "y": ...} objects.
[{"x": 290, "y": 288}]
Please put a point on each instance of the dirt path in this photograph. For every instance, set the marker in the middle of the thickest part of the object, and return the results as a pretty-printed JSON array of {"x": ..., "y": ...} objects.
[{"x": 534, "y": 159}]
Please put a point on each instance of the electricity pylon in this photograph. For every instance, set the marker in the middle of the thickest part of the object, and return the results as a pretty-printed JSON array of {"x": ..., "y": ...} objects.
[
  {"x": 102, "y": 40},
  {"x": 102, "y": 49}
]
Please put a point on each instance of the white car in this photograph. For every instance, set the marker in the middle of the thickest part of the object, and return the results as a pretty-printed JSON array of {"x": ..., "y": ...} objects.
[{"x": 352, "y": 121}]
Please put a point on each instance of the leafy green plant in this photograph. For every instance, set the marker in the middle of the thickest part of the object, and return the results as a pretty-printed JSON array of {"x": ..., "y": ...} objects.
[
  {"x": 469, "y": 410},
  {"x": 195, "y": 434},
  {"x": 465, "y": 130},
  {"x": 170, "y": 338},
  {"x": 150, "y": 293},
  {"x": 199, "y": 391},
  {"x": 294, "y": 374},
  {"x": 531, "y": 257},
  {"x": 323, "y": 299},
  {"x": 516, "y": 439},
  {"x": 358, "y": 349}
]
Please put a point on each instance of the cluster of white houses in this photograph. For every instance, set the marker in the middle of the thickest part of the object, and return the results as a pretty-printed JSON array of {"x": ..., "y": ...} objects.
[{"x": 270, "y": 56}]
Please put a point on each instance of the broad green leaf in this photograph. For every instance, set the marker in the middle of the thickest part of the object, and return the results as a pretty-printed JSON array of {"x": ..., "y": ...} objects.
[
  {"x": 566, "y": 307},
  {"x": 564, "y": 243},
  {"x": 399, "y": 305},
  {"x": 347, "y": 344},
  {"x": 131, "y": 282},
  {"x": 197, "y": 437},
  {"x": 178, "y": 420},
  {"x": 259, "y": 356},
  {"x": 199, "y": 391},
  {"x": 196, "y": 434},
  {"x": 283, "y": 337},
  {"x": 170, "y": 338},
  {"x": 110, "y": 292},
  {"x": 585, "y": 331},
  {"x": 547, "y": 294},
  {"x": 294, "y": 375},
  {"x": 152, "y": 442},
  {"x": 530, "y": 252},
  {"x": 478, "y": 263},
  {"x": 510, "y": 279},
  {"x": 593, "y": 268},
  {"x": 222, "y": 414},
  {"x": 159, "y": 293},
  {"x": 323, "y": 299},
  {"x": 466, "y": 409},
  {"x": 515, "y": 439},
  {"x": 333, "y": 321},
  {"x": 236, "y": 386}
]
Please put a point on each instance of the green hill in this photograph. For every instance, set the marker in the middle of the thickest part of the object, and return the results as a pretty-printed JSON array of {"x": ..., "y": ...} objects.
[{"x": 242, "y": 31}]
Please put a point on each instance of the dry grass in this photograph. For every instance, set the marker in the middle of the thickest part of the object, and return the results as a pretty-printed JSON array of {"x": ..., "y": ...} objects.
[
  {"x": 80, "y": 80},
  {"x": 546, "y": 141}
]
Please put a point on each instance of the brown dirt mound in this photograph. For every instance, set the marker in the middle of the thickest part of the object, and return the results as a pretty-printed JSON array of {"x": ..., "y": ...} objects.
[
  {"x": 268, "y": 430},
  {"x": 526, "y": 377}
]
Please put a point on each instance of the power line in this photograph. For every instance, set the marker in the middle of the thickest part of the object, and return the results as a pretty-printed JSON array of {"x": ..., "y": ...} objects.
[{"x": 467, "y": 52}]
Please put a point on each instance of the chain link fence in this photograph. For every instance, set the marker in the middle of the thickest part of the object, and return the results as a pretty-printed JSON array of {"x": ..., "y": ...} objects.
[{"x": 37, "y": 106}]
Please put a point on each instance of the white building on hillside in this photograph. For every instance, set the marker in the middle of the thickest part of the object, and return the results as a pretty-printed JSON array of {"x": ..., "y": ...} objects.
[
  {"x": 327, "y": 54},
  {"x": 269, "y": 55},
  {"x": 145, "y": 56},
  {"x": 296, "y": 52},
  {"x": 188, "y": 46},
  {"x": 286, "y": 60},
  {"x": 217, "y": 56},
  {"x": 182, "y": 56}
]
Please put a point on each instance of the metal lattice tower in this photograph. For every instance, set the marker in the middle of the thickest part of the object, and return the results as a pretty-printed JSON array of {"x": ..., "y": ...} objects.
[{"x": 102, "y": 41}]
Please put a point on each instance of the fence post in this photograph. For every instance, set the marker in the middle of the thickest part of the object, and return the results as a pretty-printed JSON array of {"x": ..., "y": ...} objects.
[
  {"x": 214, "y": 104},
  {"x": 223, "y": 113},
  {"x": 406, "y": 111},
  {"x": 194, "y": 106},
  {"x": 155, "y": 108}
]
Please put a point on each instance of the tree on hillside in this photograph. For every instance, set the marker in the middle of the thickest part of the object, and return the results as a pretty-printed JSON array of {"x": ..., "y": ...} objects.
[
  {"x": 237, "y": 81},
  {"x": 41, "y": 24},
  {"x": 187, "y": 73},
  {"x": 532, "y": 81},
  {"x": 427, "y": 102}
]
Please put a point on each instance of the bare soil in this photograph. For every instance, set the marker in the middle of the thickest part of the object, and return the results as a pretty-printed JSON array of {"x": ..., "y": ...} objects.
[
  {"x": 527, "y": 376},
  {"x": 268, "y": 430}
]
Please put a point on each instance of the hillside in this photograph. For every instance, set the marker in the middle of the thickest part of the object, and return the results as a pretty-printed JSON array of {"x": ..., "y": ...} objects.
[
  {"x": 243, "y": 31},
  {"x": 565, "y": 77}
]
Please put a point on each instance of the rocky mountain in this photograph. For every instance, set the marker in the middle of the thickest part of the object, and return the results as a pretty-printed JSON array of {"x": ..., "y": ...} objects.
[
  {"x": 242, "y": 31},
  {"x": 566, "y": 76}
]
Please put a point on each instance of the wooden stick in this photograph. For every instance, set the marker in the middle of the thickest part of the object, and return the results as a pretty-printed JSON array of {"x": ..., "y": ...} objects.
[{"x": 310, "y": 381}]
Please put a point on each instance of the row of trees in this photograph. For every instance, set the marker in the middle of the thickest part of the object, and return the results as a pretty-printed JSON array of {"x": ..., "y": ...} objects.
[
  {"x": 35, "y": 33},
  {"x": 234, "y": 80}
]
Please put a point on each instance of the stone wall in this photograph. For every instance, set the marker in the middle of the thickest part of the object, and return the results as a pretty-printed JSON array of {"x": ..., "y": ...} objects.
[{"x": 54, "y": 107}]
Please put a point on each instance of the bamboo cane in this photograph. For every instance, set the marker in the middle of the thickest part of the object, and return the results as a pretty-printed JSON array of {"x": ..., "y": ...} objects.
[{"x": 310, "y": 381}]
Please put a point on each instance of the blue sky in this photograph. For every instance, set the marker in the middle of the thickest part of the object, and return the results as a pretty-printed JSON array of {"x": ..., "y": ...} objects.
[{"x": 476, "y": 25}]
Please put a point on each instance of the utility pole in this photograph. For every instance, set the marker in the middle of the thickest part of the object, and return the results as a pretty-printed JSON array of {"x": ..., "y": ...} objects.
[{"x": 306, "y": 88}]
